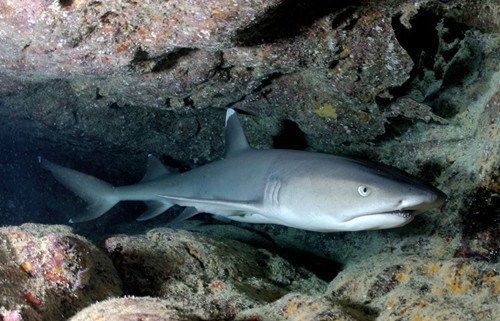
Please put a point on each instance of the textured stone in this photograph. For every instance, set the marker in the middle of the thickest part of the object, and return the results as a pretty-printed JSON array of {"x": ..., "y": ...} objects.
[
  {"x": 139, "y": 309},
  {"x": 300, "y": 307},
  {"x": 416, "y": 288},
  {"x": 219, "y": 277},
  {"x": 49, "y": 273}
]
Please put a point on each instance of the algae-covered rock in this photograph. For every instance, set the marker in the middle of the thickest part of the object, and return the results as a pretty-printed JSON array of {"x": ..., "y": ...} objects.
[
  {"x": 221, "y": 277},
  {"x": 49, "y": 273},
  {"x": 139, "y": 309},
  {"x": 415, "y": 288},
  {"x": 300, "y": 307}
]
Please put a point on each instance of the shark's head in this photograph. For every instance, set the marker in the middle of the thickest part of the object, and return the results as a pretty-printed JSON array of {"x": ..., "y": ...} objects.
[{"x": 353, "y": 195}]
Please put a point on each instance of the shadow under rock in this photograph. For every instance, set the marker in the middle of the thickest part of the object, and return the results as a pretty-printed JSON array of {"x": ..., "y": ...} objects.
[{"x": 288, "y": 20}]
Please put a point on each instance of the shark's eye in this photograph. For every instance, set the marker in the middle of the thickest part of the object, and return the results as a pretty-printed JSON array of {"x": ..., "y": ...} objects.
[{"x": 364, "y": 190}]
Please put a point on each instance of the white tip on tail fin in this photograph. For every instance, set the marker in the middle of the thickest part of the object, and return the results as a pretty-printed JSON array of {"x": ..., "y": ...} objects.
[
  {"x": 99, "y": 194},
  {"x": 234, "y": 134}
]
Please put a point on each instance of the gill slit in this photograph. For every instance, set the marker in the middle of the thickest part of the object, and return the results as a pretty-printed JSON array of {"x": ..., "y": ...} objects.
[{"x": 271, "y": 192}]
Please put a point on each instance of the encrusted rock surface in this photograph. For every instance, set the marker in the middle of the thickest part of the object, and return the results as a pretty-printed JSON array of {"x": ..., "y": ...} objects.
[
  {"x": 140, "y": 309},
  {"x": 301, "y": 307},
  {"x": 418, "y": 288},
  {"x": 49, "y": 273},
  {"x": 217, "y": 276},
  {"x": 159, "y": 72}
]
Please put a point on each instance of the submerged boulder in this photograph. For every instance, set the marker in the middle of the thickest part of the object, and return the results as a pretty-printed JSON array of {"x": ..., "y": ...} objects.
[
  {"x": 140, "y": 309},
  {"x": 301, "y": 307},
  {"x": 49, "y": 273},
  {"x": 217, "y": 276},
  {"x": 416, "y": 288}
]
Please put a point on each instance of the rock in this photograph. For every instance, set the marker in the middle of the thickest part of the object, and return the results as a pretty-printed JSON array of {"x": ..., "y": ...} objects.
[
  {"x": 49, "y": 273},
  {"x": 139, "y": 309},
  {"x": 417, "y": 288},
  {"x": 299, "y": 307},
  {"x": 219, "y": 277},
  {"x": 330, "y": 69}
]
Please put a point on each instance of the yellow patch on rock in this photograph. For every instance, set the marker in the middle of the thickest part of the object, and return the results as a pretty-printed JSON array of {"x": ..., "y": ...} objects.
[
  {"x": 431, "y": 269},
  {"x": 418, "y": 318},
  {"x": 326, "y": 110},
  {"x": 291, "y": 308},
  {"x": 402, "y": 276},
  {"x": 460, "y": 280}
]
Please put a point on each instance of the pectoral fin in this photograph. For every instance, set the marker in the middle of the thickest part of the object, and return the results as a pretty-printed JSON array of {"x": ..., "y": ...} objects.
[
  {"x": 236, "y": 206},
  {"x": 155, "y": 208}
]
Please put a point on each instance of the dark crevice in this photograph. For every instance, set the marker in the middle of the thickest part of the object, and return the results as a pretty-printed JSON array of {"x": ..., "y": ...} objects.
[
  {"x": 98, "y": 95},
  {"x": 168, "y": 103},
  {"x": 432, "y": 42},
  {"x": 323, "y": 268},
  {"x": 288, "y": 20},
  {"x": 343, "y": 18},
  {"x": 462, "y": 66},
  {"x": 430, "y": 38},
  {"x": 290, "y": 137},
  {"x": 333, "y": 64},
  {"x": 114, "y": 106},
  {"x": 143, "y": 62},
  {"x": 394, "y": 127},
  {"x": 188, "y": 102},
  {"x": 65, "y": 3},
  {"x": 169, "y": 60},
  {"x": 359, "y": 311},
  {"x": 420, "y": 42},
  {"x": 244, "y": 112},
  {"x": 268, "y": 81},
  {"x": 140, "y": 55},
  {"x": 430, "y": 171},
  {"x": 481, "y": 218}
]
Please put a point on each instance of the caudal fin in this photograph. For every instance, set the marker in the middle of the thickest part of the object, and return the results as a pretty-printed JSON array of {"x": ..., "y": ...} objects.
[{"x": 100, "y": 195}]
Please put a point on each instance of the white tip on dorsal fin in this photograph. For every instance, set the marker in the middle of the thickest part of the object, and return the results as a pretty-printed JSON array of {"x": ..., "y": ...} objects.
[
  {"x": 154, "y": 169},
  {"x": 235, "y": 137}
]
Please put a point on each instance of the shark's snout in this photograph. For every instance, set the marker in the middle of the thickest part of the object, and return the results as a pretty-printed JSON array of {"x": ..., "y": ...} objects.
[{"x": 425, "y": 200}]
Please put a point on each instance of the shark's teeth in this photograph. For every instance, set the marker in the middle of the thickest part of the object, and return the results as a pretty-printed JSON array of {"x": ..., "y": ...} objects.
[{"x": 403, "y": 214}]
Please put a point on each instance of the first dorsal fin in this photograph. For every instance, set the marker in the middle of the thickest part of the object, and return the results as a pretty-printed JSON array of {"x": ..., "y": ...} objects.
[
  {"x": 234, "y": 135},
  {"x": 154, "y": 169}
]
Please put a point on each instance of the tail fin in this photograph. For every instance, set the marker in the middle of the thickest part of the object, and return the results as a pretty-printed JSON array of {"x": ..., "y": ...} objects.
[{"x": 100, "y": 195}]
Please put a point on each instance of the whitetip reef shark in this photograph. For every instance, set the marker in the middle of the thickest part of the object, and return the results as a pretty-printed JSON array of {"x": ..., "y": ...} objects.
[{"x": 300, "y": 189}]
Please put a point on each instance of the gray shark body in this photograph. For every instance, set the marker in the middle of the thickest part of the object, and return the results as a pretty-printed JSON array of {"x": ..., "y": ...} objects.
[{"x": 305, "y": 190}]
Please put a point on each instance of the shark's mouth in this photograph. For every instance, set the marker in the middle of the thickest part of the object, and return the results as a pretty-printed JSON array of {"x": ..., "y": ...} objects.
[{"x": 406, "y": 214}]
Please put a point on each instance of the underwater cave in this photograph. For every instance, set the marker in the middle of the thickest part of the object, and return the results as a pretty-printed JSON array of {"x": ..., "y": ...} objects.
[{"x": 249, "y": 160}]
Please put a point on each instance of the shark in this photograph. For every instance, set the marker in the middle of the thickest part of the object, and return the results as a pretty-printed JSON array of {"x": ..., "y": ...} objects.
[{"x": 299, "y": 189}]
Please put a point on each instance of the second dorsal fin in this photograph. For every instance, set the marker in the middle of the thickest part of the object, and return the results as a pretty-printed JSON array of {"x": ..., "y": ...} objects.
[{"x": 234, "y": 135}]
